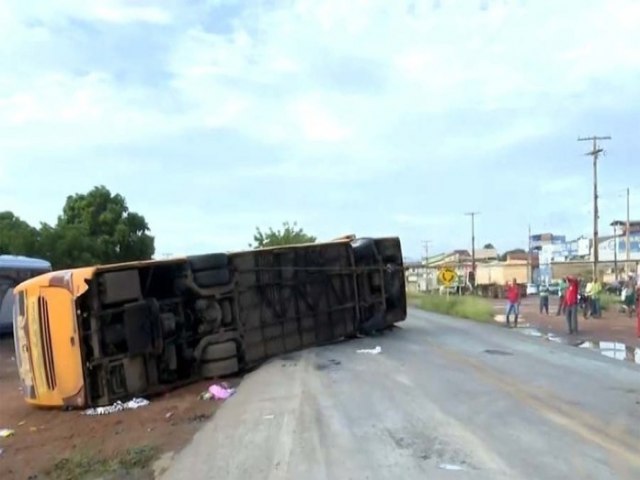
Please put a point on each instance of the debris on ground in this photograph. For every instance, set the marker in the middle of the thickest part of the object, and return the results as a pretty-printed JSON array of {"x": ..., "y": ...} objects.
[
  {"x": 372, "y": 351},
  {"x": 117, "y": 407},
  {"x": 220, "y": 391},
  {"x": 6, "y": 432}
]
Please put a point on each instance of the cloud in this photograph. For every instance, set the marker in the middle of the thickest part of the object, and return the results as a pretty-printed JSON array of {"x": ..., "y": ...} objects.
[{"x": 401, "y": 108}]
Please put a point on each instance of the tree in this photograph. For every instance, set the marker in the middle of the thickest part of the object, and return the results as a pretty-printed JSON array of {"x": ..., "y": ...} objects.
[
  {"x": 67, "y": 246},
  {"x": 290, "y": 234},
  {"x": 489, "y": 246},
  {"x": 94, "y": 228},
  {"x": 98, "y": 226},
  {"x": 17, "y": 237}
]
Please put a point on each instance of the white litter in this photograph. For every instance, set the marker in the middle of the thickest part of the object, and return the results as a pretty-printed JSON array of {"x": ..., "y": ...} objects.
[
  {"x": 268, "y": 417},
  {"x": 372, "y": 351},
  {"x": 448, "y": 466},
  {"x": 117, "y": 407}
]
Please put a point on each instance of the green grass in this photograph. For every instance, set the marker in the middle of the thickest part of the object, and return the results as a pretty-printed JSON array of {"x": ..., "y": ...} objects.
[
  {"x": 84, "y": 465},
  {"x": 465, "y": 306},
  {"x": 609, "y": 302}
]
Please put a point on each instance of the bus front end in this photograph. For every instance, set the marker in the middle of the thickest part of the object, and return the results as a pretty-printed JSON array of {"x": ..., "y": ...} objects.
[{"x": 48, "y": 341}]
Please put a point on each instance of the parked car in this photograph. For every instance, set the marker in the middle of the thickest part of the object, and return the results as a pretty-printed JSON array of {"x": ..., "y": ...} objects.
[
  {"x": 614, "y": 288},
  {"x": 532, "y": 289},
  {"x": 554, "y": 288}
]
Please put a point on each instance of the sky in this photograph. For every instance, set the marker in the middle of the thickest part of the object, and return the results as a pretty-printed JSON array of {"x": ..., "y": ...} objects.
[{"x": 372, "y": 117}]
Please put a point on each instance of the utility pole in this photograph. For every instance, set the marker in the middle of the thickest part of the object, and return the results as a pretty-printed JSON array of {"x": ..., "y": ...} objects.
[
  {"x": 628, "y": 239},
  {"x": 529, "y": 273},
  {"x": 473, "y": 241},
  {"x": 426, "y": 264},
  {"x": 595, "y": 151},
  {"x": 615, "y": 251}
]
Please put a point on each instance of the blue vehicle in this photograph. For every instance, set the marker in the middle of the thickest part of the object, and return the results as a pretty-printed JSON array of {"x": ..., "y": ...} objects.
[{"x": 14, "y": 270}]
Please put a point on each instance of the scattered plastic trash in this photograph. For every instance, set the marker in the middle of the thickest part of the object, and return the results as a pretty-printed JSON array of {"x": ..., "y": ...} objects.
[
  {"x": 168, "y": 415},
  {"x": 22, "y": 423},
  {"x": 6, "y": 432},
  {"x": 372, "y": 351},
  {"x": 268, "y": 417},
  {"x": 448, "y": 466},
  {"x": 117, "y": 407},
  {"x": 1, "y": 450},
  {"x": 33, "y": 429},
  {"x": 221, "y": 391},
  {"x": 205, "y": 396}
]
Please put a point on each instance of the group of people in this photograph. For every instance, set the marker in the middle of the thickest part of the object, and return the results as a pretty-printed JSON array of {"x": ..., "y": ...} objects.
[
  {"x": 574, "y": 296},
  {"x": 588, "y": 297}
]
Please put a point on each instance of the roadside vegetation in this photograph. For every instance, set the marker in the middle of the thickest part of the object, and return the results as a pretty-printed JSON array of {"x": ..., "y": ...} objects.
[
  {"x": 610, "y": 302},
  {"x": 465, "y": 306},
  {"x": 133, "y": 463}
]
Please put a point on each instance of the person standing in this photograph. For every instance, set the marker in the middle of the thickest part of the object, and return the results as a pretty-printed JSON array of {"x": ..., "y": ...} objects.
[
  {"x": 544, "y": 298},
  {"x": 513, "y": 302},
  {"x": 571, "y": 304},
  {"x": 596, "y": 291},
  {"x": 629, "y": 295},
  {"x": 562, "y": 289}
]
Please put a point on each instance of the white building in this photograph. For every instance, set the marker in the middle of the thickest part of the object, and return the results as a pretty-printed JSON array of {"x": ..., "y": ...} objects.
[{"x": 607, "y": 248}]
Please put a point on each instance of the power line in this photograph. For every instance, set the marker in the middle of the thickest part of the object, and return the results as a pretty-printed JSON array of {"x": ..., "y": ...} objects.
[{"x": 595, "y": 151}]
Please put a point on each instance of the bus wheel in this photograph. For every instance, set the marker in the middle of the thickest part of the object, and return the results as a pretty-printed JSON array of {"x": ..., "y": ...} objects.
[
  {"x": 220, "y": 368},
  {"x": 212, "y": 278},
  {"x": 219, "y": 351},
  {"x": 210, "y": 261}
]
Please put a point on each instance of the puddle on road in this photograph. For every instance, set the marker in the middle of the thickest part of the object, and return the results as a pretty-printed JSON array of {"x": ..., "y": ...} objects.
[
  {"x": 616, "y": 350},
  {"x": 534, "y": 332}
]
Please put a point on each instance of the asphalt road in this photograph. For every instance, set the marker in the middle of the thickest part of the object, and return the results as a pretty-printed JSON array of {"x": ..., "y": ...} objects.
[{"x": 445, "y": 398}]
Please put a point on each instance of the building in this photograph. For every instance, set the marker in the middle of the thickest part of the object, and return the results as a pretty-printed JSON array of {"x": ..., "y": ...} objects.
[
  {"x": 615, "y": 248},
  {"x": 539, "y": 240},
  {"x": 620, "y": 227},
  {"x": 415, "y": 276}
]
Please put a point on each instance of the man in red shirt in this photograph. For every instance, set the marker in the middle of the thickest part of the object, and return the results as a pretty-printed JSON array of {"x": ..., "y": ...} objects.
[
  {"x": 571, "y": 302},
  {"x": 513, "y": 302}
]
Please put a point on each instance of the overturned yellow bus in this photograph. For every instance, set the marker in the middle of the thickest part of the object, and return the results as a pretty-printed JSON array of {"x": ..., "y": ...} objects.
[{"x": 91, "y": 336}]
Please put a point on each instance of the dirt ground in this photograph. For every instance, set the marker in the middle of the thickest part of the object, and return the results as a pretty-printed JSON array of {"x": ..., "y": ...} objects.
[
  {"x": 42, "y": 437},
  {"x": 612, "y": 327}
]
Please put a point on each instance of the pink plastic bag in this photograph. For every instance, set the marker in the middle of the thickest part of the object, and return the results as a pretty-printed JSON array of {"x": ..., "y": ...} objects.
[{"x": 221, "y": 392}]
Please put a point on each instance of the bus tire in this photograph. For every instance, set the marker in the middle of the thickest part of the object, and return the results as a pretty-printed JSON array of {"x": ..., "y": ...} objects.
[
  {"x": 363, "y": 249},
  {"x": 211, "y": 261},
  {"x": 219, "y": 351},
  {"x": 212, "y": 278},
  {"x": 220, "y": 368}
]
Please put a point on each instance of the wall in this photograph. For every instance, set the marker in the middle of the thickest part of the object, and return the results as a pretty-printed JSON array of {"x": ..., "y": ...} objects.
[{"x": 501, "y": 273}]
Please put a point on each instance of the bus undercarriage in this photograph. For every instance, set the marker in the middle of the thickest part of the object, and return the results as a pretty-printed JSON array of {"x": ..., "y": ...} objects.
[{"x": 162, "y": 324}]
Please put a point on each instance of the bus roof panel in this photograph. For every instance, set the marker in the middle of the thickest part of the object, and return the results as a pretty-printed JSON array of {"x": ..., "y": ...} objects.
[{"x": 17, "y": 261}]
